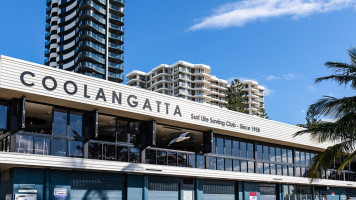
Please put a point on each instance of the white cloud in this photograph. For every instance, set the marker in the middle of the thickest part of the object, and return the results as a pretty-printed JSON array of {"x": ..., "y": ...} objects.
[
  {"x": 284, "y": 77},
  {"x": 302, "y": 111},
  {"x": 312, "y": 88},
  {"x": 268, "y": 92},
  {"x": 242, "y": 12},
  {"x": 272, "y": 77}
]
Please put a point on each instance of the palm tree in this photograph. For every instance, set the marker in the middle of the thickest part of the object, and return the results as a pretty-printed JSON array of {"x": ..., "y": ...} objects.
[{"x": 342, "y": 132}]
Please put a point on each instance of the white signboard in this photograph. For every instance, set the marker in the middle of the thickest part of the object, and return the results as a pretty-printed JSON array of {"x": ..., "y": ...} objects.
[
  {"x": 187, "y": 195},
  {"x": 25, "y": 197},
  {"x": 60, "y": 192}
]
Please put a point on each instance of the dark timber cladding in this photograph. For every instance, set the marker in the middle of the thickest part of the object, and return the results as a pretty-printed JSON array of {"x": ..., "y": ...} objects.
[{"x": 71, "y": 88}]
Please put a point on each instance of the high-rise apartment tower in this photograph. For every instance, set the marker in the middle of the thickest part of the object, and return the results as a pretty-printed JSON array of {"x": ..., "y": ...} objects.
[
  {"x": 86, "y": 36},
  {"x": 194, "y": 82}
]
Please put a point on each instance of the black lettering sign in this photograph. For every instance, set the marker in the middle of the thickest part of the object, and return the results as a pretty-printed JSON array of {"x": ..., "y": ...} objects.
[
  {"x": 66, "y": 89},
  {"x": 44, "y": 83}
]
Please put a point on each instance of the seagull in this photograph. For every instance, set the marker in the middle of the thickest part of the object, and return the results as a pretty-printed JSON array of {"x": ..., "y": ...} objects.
[{"x": 181, "y": 138}]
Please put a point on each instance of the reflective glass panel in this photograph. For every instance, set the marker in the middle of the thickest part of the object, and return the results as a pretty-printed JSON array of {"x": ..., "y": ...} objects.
[
  {"x": 219, "y": 146},
  {"x": 95, "y": 151},
  {"x": 272, "y": 154},
  {"x": 236, "y": 150},
  {"x": 39, "y": 118},
  {"x": 228, "y": 147},
  {"x": 228, "y": 164},
  {"x": 162, "y": 157},
  {"x": 297, "y": 158},
  {"x": 297, "y": 171},
  {"x": 59, "y": 122},
  {"x": 278, "y": 155},
  {"x": 134, "y": 155},
  {"x": 243, "y": 149},
  {"x": 307, "y": 158},
  {"x": 284, "y": 155},
  {"x": 266, "y": 168},
  {"x": 302, "y": 158},
  {"x": 109, "y": 152},
  {"x": 273, "y": 169},
  {"x": 290, "y": 170},
  {"x": 285, "y": 170},
  {"x": 191, "y": 160},
  {"x": 250, "y": 152},
  {"x": 182, "y": 159},
  {"x": 76, "y": 124},
  {"x": 106, "y": 128},
  {"x": 42, "y": 145},
  {"x": 290, "y": 156},
  {"x": 24, "y": 144},
  {"x": 3, "y": 117},
  {"x": 76, "y": 149},
  {"x": 260, "y": 168},
  {"x": 122, "y": 130},
  {"x": 220, "y": 164},
  {"x": 285, "y": 192},
  {"x": 259, "y": 152},
  {"x": 243, "y": 165},
  {"x": 134, "y": 131},
  {"x": 201, "y": 161},
  {"x": 212, "y": 163},
  {"x": 59, "y": 147},
  {"x": 172, "y": 159},
  {"x": 150, "y": 156},
  {"x": 236, "y": 165},
  {"x": 279, "y": 170},
  {"x": 265, "y": 153},
  {"x": 122, "y": 154},
  {"x": 251, "y": 167}
]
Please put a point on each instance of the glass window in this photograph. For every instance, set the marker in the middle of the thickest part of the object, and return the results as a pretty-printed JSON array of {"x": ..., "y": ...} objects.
[
  {"x": 292, "y": 192},
  {"x": 290, "y": 170},
  {"x": 212, "y": 163},
  {"x": 220, "y": 164},
  {"x": 290, "y": 156},
  {"x": 214, "y": 143},
  {"x": 150, "y": 156},
  {"x": 24, "y": 144},
  {"x": 259, "y": 152},
  {"x": 122, "y": 154},
  {"x": 59, "y": 122},
  {"x": 266, "y": 168},
  {"x": 182, "y": 160},
  {"x": 59, "y": 147},
  {"x": 250, "y": 151},
  {"x": 285, "y": 170},
  {"x": 228, "y": 164},
  {"x": 106, "y": 128},
  {"x": 279, "y": 170},
  {"x": 272, "y": 154},
  {"x": 76, "y": 124},
  {"x": 236, "y": 165},
  {"x": 236, "y": 148},
  {"x": 95, "y": 151},
  {"x": 172, "y": 159},
  {"x": 228, "y": 147},
  {"x": 297, "y": 171},
  {"x": 278, "y": 155},
  {"x": 285, "y": 192},
  {"x": 135, "y": 155},
  {"x": 122, "y": 130},
  {"x": 303, "y": 172},
  {"x": 220, "y": 146},
  {"x": 162, "y": 157},
  {"x": 243, "y": 149},
  {"x": 39, "y": 118},
  {"x": 201, "y": 161},
  {"x": 42, "y": 145},
  {"x": 134, "y": 131},
  {"x": 243, "y": 165},
  {"x": 273, "y": 169},
  {"x": 260, "y": 168},
  {"x": 307, "y": 158},
  {"x": 265, "y": 153},
  {"x": 109, "y": 152},
  {"x": 284, "y": 155},
  {"x": 191, "y": 161},
  {"x": 297, "y": 158},
  {"x": 302, "y": 158},
  {"x": 3, "y": 117},
  {"x": 76, "y": 149},
  {"x": 251, "y": 167}
]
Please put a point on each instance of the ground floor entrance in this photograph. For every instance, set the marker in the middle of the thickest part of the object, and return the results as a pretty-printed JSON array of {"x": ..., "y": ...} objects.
[{"x": 52, "y": 184}]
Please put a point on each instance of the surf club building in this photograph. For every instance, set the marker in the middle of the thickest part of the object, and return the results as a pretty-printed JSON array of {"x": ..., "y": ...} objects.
[{"x": 66, "y": 136}]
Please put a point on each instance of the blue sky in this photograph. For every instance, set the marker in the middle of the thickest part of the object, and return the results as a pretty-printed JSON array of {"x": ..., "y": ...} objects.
[{"x": 283, "y": 44}]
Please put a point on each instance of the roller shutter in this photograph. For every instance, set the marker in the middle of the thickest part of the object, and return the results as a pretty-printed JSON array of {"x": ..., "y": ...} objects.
[
  {"x": 213, "y": 190},
  {"x": 162, "y": 188}
]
